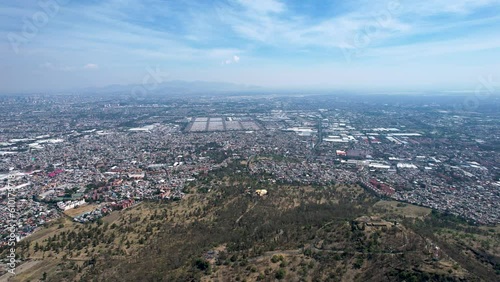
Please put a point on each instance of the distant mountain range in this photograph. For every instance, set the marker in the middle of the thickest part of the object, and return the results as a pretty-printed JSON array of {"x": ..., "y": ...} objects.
[{"x": 174, "y": 87}]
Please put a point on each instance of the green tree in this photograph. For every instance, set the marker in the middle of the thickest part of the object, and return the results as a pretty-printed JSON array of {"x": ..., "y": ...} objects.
[{"x": 280, "y": 274}]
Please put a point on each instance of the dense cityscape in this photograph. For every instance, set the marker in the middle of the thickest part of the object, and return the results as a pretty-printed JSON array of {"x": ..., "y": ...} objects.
[{"x": 59, "y": 153}]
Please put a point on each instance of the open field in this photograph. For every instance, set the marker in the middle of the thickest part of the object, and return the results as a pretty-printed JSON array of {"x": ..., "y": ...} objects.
[
  {"x": 403, "y": 209},
  {"x": 80, "y": 210}
]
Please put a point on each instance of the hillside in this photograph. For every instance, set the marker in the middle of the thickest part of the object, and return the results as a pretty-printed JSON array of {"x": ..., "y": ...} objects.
[{"x": 223, "y": 231}]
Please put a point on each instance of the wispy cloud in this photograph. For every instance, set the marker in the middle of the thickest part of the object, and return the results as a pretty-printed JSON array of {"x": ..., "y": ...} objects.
[
  {"x": 127, "y": 36},
  {"x": 262, "y": 6},
  {"x": 385, "y": 20},
  {"x": 234, "y": 60},
  {"x": 435, "y": 7},
  {"x": 56, "y": 67},
  {"x": 52, "y": 67},
  {"x": 90, "y": 66}
]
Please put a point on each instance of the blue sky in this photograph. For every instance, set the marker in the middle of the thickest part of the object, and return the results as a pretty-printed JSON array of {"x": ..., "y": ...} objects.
[{"x": 393, "y": 45}]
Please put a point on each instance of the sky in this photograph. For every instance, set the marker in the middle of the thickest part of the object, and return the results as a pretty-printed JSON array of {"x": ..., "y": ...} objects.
[{"x": 56, "y": 45}]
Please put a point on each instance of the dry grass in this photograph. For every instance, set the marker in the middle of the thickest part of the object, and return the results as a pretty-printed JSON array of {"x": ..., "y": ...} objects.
[
  {"x": 50, "y": 261},
  {"x": 80, "y": 210},
  {"x": 21, "y": 271},
  {"x": 51, "y": 228},
  {"x": 32, "y": 271},
  {"x": 407, "y": 210}
]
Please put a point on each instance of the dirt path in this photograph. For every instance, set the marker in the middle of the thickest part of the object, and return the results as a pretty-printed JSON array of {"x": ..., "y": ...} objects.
[{"x": 249, "y": 209}]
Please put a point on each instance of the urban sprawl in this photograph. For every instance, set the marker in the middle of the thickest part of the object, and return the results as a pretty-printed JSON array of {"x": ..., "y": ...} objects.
[{"x": 95, "y": 154}]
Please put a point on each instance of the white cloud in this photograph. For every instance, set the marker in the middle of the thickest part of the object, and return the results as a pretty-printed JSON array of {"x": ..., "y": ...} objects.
[
  {"x": 371, "y": 23},
  {"x": 424, "y": 8},
  {"x": 91, "y": 67},
  {"x": 437, "y": 48},
  {"x": 47, "y": 65},
  {"x": 52, "y": 67},
  {"x": 299, "y": 31},
  {"x": 263, "y": 6},
  {"x": 222, "y": 31},
  {"x": 234, "y": 60}
]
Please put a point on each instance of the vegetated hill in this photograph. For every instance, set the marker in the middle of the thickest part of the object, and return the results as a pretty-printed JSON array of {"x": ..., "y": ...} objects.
[{"x": 223, "y": 231}]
